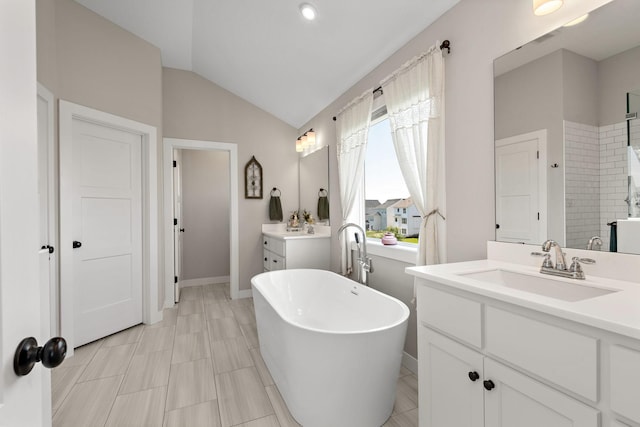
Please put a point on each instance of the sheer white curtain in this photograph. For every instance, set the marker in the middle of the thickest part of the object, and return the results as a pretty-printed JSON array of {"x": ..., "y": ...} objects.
[
  {"x": 352, "y": 130},
  {"x": 414, "y": 96}
]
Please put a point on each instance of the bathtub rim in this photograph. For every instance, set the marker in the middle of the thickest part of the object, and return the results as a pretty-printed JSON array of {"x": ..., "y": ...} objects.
[{"x": 406, "y": 312}]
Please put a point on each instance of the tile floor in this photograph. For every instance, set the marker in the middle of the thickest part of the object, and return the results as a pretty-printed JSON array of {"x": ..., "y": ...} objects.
[{"x": 199, "y": 367}]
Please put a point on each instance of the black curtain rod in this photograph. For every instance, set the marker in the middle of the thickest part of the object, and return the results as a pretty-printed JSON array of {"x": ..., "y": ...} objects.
[{"x": 446, "y": 44}]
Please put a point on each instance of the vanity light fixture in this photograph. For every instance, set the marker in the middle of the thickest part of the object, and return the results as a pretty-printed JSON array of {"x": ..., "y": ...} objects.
[
  {"x": 577, "y": 21},
  {"x": 308, "y": 139},
  {"x": 545, "y": 7},
  {"x": 308, "y": 11}
]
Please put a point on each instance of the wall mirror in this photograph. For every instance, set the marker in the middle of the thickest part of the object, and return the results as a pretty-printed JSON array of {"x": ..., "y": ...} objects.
[
  {"x": 567, "y": 135},
  {"x": 313, "y": 175}
]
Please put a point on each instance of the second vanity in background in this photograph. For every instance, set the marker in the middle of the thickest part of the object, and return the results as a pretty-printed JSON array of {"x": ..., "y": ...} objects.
[{"x": 286, "y": 250}]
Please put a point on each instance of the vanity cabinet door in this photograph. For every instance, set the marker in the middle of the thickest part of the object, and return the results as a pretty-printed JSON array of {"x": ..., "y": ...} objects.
[
  {"x": 450, "y": 386},
  {"x": 517, "y": 400}
]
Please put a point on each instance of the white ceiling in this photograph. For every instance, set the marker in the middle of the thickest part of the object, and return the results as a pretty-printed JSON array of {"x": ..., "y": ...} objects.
[{"x": 266, "y": 53}]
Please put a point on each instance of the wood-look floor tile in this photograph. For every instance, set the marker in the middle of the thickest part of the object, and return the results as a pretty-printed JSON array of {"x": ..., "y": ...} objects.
[
  {"x": 404, "y": 419},
  {"x": 147, "y": 371},
  {"x": 188, "y": 307},
  {"x": 141, "y": 409},
  {"x": 156, "y": 339},
  {"x": 214, "y": 295},
  {"x": 218, "y": 310},
  {"x": 242, "y": 397},
  {"x": 282, "y": 412},
  {"x": 190, "y": 383},
  {"x": 263, "y": 371},
  {"x": 83, "y": 355},
  {"x": 243, "y": 313},
  {"x": 404, "y": 372},
  {"x": 227, "y": 327},
  {"x": 246, "y": 302},
  {"x": 230, "y": 354},
  {"x": 201, "y": 415},
  {"x": 406, "y": 394},
  {"x": 216, "y": 286},
  {"x": 191, "y": 323},
  {"x": 269, "y": 421},
  {"x": 88, "y": 403},
  {"x": 191, "y": 293},
  {"x": 63, "y": 378},
  {"x": 250, "y": 333},
  {"x": 169, "y": 318},
  {"x": 127, "y": 336},
  {"x": 191, "y": 347},
  {"x": 109, "y": 362}
]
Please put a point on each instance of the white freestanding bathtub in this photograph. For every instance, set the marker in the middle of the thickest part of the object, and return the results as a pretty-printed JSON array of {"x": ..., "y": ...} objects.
[{"x": 333, "y": 346}]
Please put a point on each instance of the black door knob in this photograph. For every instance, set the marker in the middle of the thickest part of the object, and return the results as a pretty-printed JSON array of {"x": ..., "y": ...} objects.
[
  {"x": 49, "y": 247},
  {"x": 182, "y": 230},
  {"x": 76, "y": 244},
  {"x": 489, "y": 385},
  {"x": 28, "y": 354},
  {"x": 474, "y": 376}
]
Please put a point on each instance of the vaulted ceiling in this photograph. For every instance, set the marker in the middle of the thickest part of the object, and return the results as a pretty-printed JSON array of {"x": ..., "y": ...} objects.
[{"x": 266, "y": 52}]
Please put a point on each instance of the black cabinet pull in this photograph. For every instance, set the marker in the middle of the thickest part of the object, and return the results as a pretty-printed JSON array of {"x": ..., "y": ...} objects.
[
  {"x": 265, "y": 259},
  {"x": 76, "y": 244},
  {"x": 182, "y": 230},
  {"x": 489, "y": 385},
  {"x": 474, "y": 376}
]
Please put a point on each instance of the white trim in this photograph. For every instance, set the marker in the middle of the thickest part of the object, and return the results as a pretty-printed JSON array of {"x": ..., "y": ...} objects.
[
  {"x": 403, "y": 252},
  {"x": 245, "y": 293},
  {"x": 169, "y": 145},
  {"x": 410, "y": 362},
  {"x": 204, "y": 281},
  {"x": 67, "y": 113},
  {"x": 54, "y": 292}
]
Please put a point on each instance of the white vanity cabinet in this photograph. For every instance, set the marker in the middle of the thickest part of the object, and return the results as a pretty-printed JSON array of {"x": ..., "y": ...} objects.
[
  {"x": 281, "y": 251},
  {"x": 489, "y": 363}
]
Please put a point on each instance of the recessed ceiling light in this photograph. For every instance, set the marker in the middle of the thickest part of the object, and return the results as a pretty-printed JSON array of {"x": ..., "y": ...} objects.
[
  {"x": 544, "y": 7},
  {"x": 577, "y": 21},
  {"x": 308, "y": 11}
]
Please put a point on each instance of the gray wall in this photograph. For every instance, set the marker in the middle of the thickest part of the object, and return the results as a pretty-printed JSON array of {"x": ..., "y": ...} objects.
[
  {"x": 195, "y": 108},
  {"x": 205, "y": 214},
  {"x": 616, "y": 80},
  {"x": 85, "y": 59},
  {"x": 580, "y": 89}
]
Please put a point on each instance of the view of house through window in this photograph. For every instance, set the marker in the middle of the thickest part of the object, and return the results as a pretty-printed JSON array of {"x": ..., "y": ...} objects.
[{"x": 387, "y": 201}]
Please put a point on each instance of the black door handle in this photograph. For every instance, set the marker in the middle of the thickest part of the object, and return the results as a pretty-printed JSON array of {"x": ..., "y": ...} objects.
[
  {"x": 182, "y": 230},
  {"x": 28, "y": 354},
  {"x": 49, "y": 247},
  {"x": 76, "y": 244}
]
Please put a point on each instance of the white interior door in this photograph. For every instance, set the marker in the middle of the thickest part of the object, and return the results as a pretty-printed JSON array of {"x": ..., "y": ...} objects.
[
  {"x": 521, "y": 188},
  {"x": 178, "y": 226},
  {"x": 107, "y": 230},
  {"x": 23, "y": 400}
]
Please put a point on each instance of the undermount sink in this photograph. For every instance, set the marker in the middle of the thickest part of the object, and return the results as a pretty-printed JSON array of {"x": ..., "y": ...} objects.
[{"x": 547, "y": 287}]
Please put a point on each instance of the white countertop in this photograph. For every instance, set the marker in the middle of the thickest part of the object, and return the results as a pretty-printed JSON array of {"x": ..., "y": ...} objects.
[
  {"x": 292, "y": 235},
  {"x": 617, "y": 312}
]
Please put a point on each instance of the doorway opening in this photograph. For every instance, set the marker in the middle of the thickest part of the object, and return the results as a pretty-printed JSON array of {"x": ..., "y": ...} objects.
[{"x": 195, "y": 229}]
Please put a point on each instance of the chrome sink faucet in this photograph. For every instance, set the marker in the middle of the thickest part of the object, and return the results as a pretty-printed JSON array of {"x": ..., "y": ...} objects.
[
  {"x": 561, "y": 263},
  {"x": 595, "y": 240},
  {"x": 560, "y": 269},
  {"x": 364, "y": 262}
]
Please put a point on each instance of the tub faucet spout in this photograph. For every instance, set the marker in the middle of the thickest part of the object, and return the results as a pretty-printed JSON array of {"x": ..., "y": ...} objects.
[{"x": 364, "y": 262}]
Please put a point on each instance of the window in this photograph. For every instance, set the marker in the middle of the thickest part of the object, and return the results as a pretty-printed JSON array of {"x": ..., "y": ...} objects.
[{"x": 384, "y": 185}]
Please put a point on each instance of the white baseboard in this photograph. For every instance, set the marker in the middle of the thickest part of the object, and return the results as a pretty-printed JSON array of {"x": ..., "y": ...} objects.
[
  {"x": 204, "y": 281},
  {"x": 245, "y": 293},
  {"x": 410, "y": 362}
]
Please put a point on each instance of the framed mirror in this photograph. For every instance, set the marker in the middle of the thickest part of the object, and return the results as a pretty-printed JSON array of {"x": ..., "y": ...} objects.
[
  {"x": 567, "y": 134},
  {"x": 313, "y": 178}
]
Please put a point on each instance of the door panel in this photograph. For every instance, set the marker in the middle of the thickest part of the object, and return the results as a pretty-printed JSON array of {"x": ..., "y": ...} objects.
[
  {"x": 520, "y": 189},
  {"x": 107, "y": 268}
]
